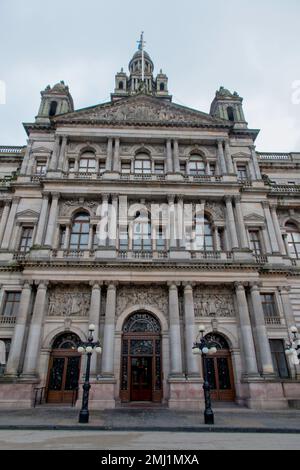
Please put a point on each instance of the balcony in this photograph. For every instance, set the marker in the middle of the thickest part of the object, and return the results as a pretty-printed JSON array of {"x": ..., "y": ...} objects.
[
  {"x": 144, "y": 255},
  {"x": 263, "y": 156},
  {"x": 273, "y": 321},
  {"x": 285, "y": 188},
  {"x": 212, "y": 255},
  {"x": 7, "y": 321}
]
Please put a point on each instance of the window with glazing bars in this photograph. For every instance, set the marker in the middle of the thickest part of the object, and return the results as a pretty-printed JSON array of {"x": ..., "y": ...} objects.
[
  {"x": 26, "y": 239},
  {"x": 11, "y": 304}
]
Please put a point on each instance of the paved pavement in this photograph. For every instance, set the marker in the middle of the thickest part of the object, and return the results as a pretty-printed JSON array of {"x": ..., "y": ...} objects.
[
  {"x": 234, "y": 419},
  {"x": 99, "y": 440}
]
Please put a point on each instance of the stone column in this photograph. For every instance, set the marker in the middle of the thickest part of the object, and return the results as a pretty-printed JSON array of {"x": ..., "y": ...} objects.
[
  {"x": 4, "y": 218},
  {"x": 176, "y": 157},
  {"x": 189, "y": 320},
  {"x": 26, "y": 158},
  {"x": 91, "y": 237},
  {"x": 216, "y": 237},
  {"x": 10, "y": 223},
  {"x": 221, "y": 158},
  {"x": 62, "y": 153},
  {"x": 108, "y": 165},
  {"x": 55, "y": 153},
  {"x": 231, "y": 223},
  {"x": 180, "y": 222},
  {"x": 67, "y": 236},
  {"x": 116, "y": 166},
  {"x": 228, "y": 158},
  {"x": 261, "y": 332},
  {"x": 52, "y": 220},
  {"x": 255, "y": 163},
  {"x": 266, "y": 239},
  {"x": 169, "y": 157},
  {"x": 277, "y": 229},
  {"x": 103, "y": 235},
  {"x": 35, "y": 331},
  {"x": 94, "y": 318},
  {"x": 241, "y": 223},
  {"x": 17, "y": 343},
  {"x": 175, "y": 336},
  {"x": 271, "y": 229},
  {"x": 42, "y": 220},
  {"x": 246, "y": 331},
  {"x": 172, "y": 222},
  {"x": 286, "y": 244},
  {"x": 109, "y": 332}
]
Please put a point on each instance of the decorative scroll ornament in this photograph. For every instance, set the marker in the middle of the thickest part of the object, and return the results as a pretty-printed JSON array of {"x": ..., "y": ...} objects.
[
  {"x": 214, "y": 303},
  {"x": 68, "y": 301},
  {"x": 155, "y": 296}
]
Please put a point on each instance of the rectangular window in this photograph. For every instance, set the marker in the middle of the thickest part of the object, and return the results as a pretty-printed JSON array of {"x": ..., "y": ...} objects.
[
  {"x": 197, "y": 168},
  {"x": 255, "y": 243},
  {"x": 71, "y": 166},
  {"x": 26, "y": 239},
  {"x": 11, "y": 304},
  {"x": 87, "y": 165},
  {"x": 102, "y": 166},
  {"x": 126, "y": 168},
  {"x": 159, "y": 168},
  {"x": 212, "y": 169},
  {"x": 269, "y": 306},
  {"x": 279, "y": 358},
  {"x": 41, "y": 168},
  {"x": 161, "y": 239},
  {"x": 242, "y": 172},
  {"x": 183, "y": 167},
  {"x": 142, "y": 166},
  {"x": 62, "y": 237}
]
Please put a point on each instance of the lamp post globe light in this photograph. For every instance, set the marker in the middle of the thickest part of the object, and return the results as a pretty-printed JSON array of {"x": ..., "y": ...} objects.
[
  {"x": 87, "y": 347},
  {"x": 293, "y": 346},
  {"x": 205, "y": 347}
]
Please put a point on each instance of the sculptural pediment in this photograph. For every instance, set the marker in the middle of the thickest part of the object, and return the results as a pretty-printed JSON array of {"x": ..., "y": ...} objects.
[
  {"x": 28, "y": 213},
  {"x": 142, "y": 110}
]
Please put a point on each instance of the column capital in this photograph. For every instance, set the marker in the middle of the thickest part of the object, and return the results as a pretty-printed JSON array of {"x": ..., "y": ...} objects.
[
  {"x": 173, "y": 284},
  {"x": 238, "y": 198},
  {"x": 105, "y": 197},
  {"x": 55, "y": 195},
  {"x": 228, "y": 199},
  {"x": 266, "y": 204},
  {"x": 171, "y": 198},
  {"x": 112, "y": 284},
  {"x": 255, "y": 286},
  {"x": 284, "y": 289},
  {"x": 188, "y": 286},
  {"x": 240, "y": 285},
  {"x": 220, "y": 140},
  {"x": 27, "y": 284},
  {"x": 16, "y": 199},
  {"x": 42, "y": 285},
  {"x": 96, "y": 284}
]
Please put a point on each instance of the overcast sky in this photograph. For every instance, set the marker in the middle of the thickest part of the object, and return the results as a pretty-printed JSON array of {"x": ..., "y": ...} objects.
[{"x": 252, "y": 47}]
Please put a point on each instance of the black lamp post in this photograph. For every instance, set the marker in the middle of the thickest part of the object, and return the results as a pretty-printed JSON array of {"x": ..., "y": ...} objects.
[
  {"x": 293, "y": 346},
  {"x": 87, "y": 347},
  {"x": 205, "y": 347}
]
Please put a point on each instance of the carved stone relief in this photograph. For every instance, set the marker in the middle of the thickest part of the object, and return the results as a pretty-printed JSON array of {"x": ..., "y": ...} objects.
[
  {"x": 66, "y": 301},
  {"x": 216, "y": 209},
  {"x": 156, "y": 296},
  {"x": 214, "y": 302},
  {"x": 284, "y": 214},
  {"x": 68, "y": 206}
]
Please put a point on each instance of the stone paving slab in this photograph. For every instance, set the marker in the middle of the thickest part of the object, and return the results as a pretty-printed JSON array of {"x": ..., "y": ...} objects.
[{"x": 122, "y": 419}]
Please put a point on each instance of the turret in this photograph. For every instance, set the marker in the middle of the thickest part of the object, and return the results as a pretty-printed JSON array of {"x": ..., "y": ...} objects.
[
  {"x": 56, "y": 100},
  {"x": 229, "y": 106}
]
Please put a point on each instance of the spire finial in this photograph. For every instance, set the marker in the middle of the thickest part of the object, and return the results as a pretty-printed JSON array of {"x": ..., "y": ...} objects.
[{"x": 141, "y": 46}]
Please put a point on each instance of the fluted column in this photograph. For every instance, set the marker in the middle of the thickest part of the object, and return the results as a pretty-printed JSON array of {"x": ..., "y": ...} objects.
[
  {"x": 108, "y": 165},
  {"x": 52, "y": 220},
  {"x": 221, "y": 158},
  {"x": 42, "y": 220},
  {"x": 116, "y": 165},
  {"x": 17, "y": 343},
  {"x": 26, "y": 158},
  {"x": 10, "y": 223},
  {"x": 176, "y": 157},
  {"x": 4, "y": 218},
  {"x": 271, "y": 229},
  {"x": 35, "y": 331},
  {"x": 277, "y": 229},
  {"x": 246, "y": 331},
  {"x": 261, "y": 332},
  {"x": 175, "y": 336},
  {"x": 103, "y": 235},
  {"x": 55, "y": 154},
  {"x": 241, "y": 223},
  {"x": 109, "y": 332},
  {"x": 228, "y": 157},
  {"x": 169, "y": 157},
  {"x": 231, "y": 223},
  {"x": 94, "y": 318},
  {"x": 255, "y": 162},
  {"x": 62, "y": 153},
  {"x": 189, "y": 320}
]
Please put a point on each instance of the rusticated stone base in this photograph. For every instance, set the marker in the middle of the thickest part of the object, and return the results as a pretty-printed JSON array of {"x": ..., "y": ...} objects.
[
  {"x": 266, "y": 396},
  {"x": 16, "y": 395},
  {"x": 101, "y": 395},
  {"x": 186, "y": 394}
]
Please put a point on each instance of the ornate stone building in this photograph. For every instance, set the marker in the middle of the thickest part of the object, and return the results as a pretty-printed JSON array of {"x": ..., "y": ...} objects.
[{"x": 234, "y": 266}]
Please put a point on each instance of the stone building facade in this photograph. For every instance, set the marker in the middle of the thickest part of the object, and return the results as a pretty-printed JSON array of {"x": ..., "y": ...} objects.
[{"x": 234, "y": 266}]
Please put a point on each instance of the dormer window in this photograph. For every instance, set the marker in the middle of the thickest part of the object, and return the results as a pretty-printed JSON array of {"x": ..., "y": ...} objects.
[
  {"x": 230, "y": 114},
  {"x": 162, "y": 87},
  {"x": 53, "y": 108},
  {"x": 121, "y": 86}
]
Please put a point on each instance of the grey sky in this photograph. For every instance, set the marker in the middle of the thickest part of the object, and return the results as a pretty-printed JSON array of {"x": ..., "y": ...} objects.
[{"x": 248, "y": 46}]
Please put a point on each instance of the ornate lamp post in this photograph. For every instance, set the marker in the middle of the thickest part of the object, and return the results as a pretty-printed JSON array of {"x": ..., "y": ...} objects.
[
  {"x": 205, "y": 347},
  {"x": 293, "y": 346},
  {"x": 87, "y": 347}
]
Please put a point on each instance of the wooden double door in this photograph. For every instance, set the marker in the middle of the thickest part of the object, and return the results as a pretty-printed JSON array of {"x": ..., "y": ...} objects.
[
  {"x": 63, "y": 376},
  {"x": 220, "y": 376}
]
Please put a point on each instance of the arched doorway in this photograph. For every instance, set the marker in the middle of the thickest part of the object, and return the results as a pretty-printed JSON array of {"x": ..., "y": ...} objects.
[
  {"x": 141, "y": 375},
  {"x": 64, "y": 369},
  {"x": 219, "y": 369}
]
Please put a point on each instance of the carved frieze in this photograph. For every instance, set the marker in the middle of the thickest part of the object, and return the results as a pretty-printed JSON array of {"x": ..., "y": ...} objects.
[
  {"x": 68, "y": 206},
  {"x": 67, "y": 301},
  {"x": 214, "y": 302},
  {"x": 155, "y": 296}
]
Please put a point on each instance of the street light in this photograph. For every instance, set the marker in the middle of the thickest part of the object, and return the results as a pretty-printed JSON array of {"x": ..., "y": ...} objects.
[
  {"x": 87, "y": 347},
  {"x": 204, "y": 347},
  {"x": 293, "y": 346}
]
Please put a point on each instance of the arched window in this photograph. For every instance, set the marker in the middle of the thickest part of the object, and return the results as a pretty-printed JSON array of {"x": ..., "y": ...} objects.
[
  {"x": 162, "y": 87},
  {"x": 66, "y": 341},
  {"x": 230, "y": 113},
  {"x": 121, "y": 86},
  {"x": 203, "y": 236},
  {"x": 87, "y": 163},
  {"x": 142, "y": 164},
  {"x": 196, "y": 166},
  {"x": 293, "y": 236},
  {"x": 80, "y": 232},
  {"x": 53, "y": 108},
  {"x": 141, "y": 232}
]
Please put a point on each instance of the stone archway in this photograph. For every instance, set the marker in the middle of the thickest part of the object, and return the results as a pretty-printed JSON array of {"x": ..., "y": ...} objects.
[{"x": 141, "y": 359}]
